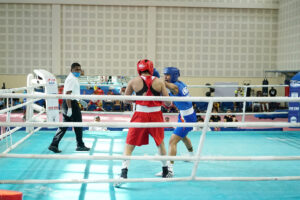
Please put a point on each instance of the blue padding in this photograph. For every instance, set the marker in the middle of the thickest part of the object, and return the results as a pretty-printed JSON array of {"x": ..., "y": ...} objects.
[
  {"x": 201, "y": 105},
  {"x": 114, "y": 129},
  {"x": 86, "y": 91},
  {"x": 250, "y": 129},
  {"x": 227, "y": 105},
  {"x": 169, "y": 129},
  {"x": 273, "y": 116}
]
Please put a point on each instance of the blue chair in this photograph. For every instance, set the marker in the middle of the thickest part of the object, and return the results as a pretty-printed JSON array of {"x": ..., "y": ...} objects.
[{"x": 227, "y": 105}]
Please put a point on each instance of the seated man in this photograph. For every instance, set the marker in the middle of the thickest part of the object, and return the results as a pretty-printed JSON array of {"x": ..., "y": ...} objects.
[
  {"x": 215, "y": 118},
  {"x": 2, "y": 103},
  {"x": 95, "y": 128},
  {"x": 229, "y": 117}
]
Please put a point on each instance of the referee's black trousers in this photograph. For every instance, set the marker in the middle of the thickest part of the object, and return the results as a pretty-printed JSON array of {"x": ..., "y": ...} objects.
[{"x": 75, "y": 117}]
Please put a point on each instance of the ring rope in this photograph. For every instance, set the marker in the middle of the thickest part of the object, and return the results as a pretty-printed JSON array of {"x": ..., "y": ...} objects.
[
  {"x": 146, "y": 157},
  {"x": 20, "y": 88},
  {"x": 189, "y": 86},
  {"x": 19, "y": 127},
  {"x": 20, "y": 141},
  {"x": 2, "y": 136},
  {"x": 18, "y": 106},
  {"x": 133, "y": 180},
  {"x": 130, "y": 112},
  {"x": 147, "y": 125},
  {"x": 153, "y": 98}
]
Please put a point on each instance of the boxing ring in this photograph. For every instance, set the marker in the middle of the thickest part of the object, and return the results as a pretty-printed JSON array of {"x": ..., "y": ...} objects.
[{"x": 226, "y": 165}]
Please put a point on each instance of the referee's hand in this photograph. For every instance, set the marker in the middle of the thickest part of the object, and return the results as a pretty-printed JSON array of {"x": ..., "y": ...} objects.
[{"x": 69, "y": 113}]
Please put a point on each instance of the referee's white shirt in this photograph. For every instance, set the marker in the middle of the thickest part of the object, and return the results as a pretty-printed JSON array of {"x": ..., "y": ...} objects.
[{"x": 72, "y": 84}]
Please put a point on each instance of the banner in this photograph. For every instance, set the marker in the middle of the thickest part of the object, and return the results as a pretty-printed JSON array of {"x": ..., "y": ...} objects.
[{"x": 294, "y": 114}]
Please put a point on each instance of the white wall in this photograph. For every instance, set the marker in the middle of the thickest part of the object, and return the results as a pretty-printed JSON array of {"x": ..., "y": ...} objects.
[
  {"x": 289, "y": 35},
  {"x": 217, "y": 38}
]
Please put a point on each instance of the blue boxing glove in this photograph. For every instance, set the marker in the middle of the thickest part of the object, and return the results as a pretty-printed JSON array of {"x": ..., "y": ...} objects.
[{"x": 156, "y": 73}]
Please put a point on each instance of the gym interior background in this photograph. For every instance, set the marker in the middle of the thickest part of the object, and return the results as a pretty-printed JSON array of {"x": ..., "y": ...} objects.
[{"x": 209, "y": 40}]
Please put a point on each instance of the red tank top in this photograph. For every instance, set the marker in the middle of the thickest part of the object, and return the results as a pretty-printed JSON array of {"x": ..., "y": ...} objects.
[{"x": 149, "y": 80}]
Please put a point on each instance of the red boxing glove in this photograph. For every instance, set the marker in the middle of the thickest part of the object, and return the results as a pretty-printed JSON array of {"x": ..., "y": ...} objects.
[{"x": 167, "y": 107}]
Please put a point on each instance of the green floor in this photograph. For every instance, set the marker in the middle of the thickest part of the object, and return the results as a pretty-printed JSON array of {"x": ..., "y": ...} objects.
[{"x": 111, "y": 143}]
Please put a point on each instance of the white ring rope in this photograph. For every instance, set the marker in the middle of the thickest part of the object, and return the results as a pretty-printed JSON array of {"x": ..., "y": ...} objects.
[
  {"x": 18, "y": 106},
  {"x": 21, "y": 141},
  {"x": 153, "y": 98},
  {"x": 9, "y": 132},
  {"x": 146, "y": 157},
  {"x": 108, "y": 113},
  {"x": 133, "y": 180},
  {"x": 236, "y": 86},
  {"x": 189, "y": 86},
  {"x": 176, "y": 113},
  {"x": 147, "y": 125},
  {"x": 20, "y": 89}
]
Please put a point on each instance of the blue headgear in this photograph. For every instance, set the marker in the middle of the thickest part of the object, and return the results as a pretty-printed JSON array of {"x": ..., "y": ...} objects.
[
  {"x": 173, "y": 72},
  {"x": 156, "y": 73}
]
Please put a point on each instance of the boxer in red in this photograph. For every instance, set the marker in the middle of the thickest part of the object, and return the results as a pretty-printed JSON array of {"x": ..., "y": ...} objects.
[{"x": 146, "y": 111}]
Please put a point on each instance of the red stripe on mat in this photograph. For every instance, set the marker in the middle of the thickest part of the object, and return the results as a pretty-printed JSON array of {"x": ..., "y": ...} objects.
[{"x": 10, "y": 195}]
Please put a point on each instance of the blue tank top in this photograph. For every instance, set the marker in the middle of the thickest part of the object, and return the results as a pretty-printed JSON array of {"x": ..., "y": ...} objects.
[{"x": 182, "y": 92}]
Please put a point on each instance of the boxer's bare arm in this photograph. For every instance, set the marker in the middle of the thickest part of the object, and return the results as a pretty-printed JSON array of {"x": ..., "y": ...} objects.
[
  {"x": 172, "y": 87},
  {"x": 164, "y": 91},
  {"x": 129, "y": 90}
]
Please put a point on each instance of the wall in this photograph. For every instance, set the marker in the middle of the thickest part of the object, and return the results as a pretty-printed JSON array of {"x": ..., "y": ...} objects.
[
  {"x": 289, "y": 35},
  {"x": 220, "y": 38}
]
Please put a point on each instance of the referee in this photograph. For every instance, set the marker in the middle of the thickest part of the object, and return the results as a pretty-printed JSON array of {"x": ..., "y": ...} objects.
[{"x": 71, "y": 111}]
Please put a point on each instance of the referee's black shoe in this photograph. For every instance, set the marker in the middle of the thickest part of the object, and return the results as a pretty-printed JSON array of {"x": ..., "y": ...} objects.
[
  {"x": 54, "y": 149},
  {"x": 82, "y": 148}
]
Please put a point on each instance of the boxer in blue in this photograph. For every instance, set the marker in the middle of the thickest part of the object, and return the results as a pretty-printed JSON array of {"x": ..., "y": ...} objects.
[{"x": 187, "y": 113}]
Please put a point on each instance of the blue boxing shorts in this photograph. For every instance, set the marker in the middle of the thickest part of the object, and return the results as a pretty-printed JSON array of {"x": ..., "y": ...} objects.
[{"x": 183, "y": 131}]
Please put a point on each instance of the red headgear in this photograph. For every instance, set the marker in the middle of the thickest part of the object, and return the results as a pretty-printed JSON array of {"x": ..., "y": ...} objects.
[{"x": 145, "y": 65}]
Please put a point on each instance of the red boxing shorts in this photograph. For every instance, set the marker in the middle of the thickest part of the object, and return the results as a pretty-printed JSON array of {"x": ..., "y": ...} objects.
[{"x": 140, "y": 136}]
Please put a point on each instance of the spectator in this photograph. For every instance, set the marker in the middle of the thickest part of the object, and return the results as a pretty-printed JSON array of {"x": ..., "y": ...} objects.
[
  {"x": 238, "y": 105},
  {"x": 216, "y": 105},
  {"x": 200, "y": 120},
  {"x": 215, "y": 118},
  {"x": 24, "y": 107},
  {"x": 96, "y": 105},
  {"x": 110, "y": 92},
  {"x": 95, "y": 128},
  {"x": 124, "y": 106},
  {"x": 2, "y": 103},
  {"x": 260, "y": 106},
  {"x": 229, "y": 117},
  {"x": 196, "y": 109},
  {"x": 98, "y": 91},
  {"x": 273, "y": 105}
]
